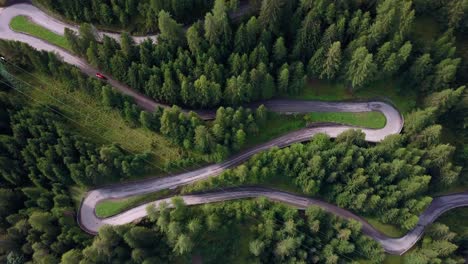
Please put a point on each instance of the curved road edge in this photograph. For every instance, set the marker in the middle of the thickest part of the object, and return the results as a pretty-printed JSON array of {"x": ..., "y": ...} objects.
[
  {"x": 396, "y": 246},
  {"x": 437, "y": 207}
]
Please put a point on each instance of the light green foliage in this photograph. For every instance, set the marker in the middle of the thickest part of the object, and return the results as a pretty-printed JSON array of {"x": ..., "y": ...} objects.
[
  {"x": 361, "y": 68},
  {"x": 436, "y": 246},
  {"x": 365, "y": 119},
  {"x": 23, "y": 24},
  {"x": 353, "y": 175},
  {"x": 332, "y": 62},
  {"x": 170, "y": 29}
]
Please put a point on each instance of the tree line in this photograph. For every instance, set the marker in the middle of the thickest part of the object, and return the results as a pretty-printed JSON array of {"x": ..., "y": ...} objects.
[
  {"x": 436, "y": 246},
  {"x": 225, "y": 134},
  {"x": 218, "y": 139},
  {"x": 278, "y": 235},
  {"x": 40, "y": 159},
  {"x": 136, "y": 16},
  {"x": 39, "y": 144},
  {"x": 218, "y": 62},
  {"x": 389, "y": 181}
]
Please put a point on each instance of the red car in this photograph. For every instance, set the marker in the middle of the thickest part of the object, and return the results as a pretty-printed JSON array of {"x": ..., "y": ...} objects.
[{"x": 101, "y": 76}]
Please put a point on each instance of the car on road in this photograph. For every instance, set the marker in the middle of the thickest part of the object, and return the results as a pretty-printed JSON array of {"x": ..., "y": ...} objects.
[{"x": 101, "y": 76}]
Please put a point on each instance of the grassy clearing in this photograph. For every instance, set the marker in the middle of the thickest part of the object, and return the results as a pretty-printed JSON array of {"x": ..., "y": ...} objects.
[
  {"x": 109, "y": 208},
  {"x": 334, "y": 91},
  {"x": 278, "y": 125},
  {"x": 365, "y": 119},
  {"x": 23, "y": 24},
  {"x": 275, "y": 126},
  {"x": 389, "y": 230},
  {"x": 102, "y": 125}
]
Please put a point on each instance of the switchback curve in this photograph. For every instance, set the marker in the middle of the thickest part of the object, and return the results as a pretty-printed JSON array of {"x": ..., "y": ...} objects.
[{"x": 87, "y": 218}]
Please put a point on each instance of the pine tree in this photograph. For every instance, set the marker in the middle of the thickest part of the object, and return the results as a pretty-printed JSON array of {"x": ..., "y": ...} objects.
[
  {"x": 170, "y": 29},
  {"x": 127, "y": 46},
  {"x": 270, "y": 14},
  {"x": 361, "y": 68},
  {"x": 203, "y": 139},
  {"x": 332, "y": 61},
  {"x": 240, "y": 40},
  {"x": 314, "y": 67},
  {"x": 194, "y": 39},
  {"x": 283, "y": 79},
  {"x": 307, "y": 37},
  {"x": 217, "y": 28},
  {"x": 279, "y": 51}
]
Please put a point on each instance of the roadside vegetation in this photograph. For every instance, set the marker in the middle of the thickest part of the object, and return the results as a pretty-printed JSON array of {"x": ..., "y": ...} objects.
[
  {"x": 25, "y": 25},
  {"x": 387, "y": 229},
  {"x": 330, "y": 50},
  {"x": 133, "y": 16},
  {"x": 102, "y": 125},
  {"x": 404, "y": 98},
  {"x": 109, "y": 208},
  {"x": 365, "y": 119}
]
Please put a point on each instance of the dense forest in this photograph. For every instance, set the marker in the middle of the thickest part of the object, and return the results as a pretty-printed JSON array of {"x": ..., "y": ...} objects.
[
  {"x": 389, "y": 181},
  {"x": 217, "y": 62},
  {"x": 40, "y": 159},
  {"x": 226, "y": 134},
  {"x": 137, "y": 16}
]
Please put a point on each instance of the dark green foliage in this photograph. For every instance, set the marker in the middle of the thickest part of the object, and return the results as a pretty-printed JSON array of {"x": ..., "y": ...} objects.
[
  {"x": 227, "y": 133},
  {"x": 389, "y": 181},
  {"x": 138, "y": 16},
  {"x": 217, "y": 62},
  {"x": 453, "y": 13},
  {"x": 437, "y": 246},
  {"x": 273, "y": 233},
  {"x": 49, "y": 153},
  {"x": 40, "y": 159}
]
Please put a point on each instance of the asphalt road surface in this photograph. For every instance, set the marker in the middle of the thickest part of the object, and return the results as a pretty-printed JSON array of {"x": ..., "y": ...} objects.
[{"x": 91, "y": 223}]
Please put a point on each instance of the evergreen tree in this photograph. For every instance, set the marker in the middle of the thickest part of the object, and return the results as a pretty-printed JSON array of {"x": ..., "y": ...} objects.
[
  {"x": 279, "y": 51},
  {"x": 170, "y": 29},
  {"x": 361, "y": 68},
  {"x": 332, "y": 62}
]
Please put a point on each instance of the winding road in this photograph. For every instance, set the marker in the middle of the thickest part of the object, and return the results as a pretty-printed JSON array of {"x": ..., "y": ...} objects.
[{"x": 91, "y": 223}]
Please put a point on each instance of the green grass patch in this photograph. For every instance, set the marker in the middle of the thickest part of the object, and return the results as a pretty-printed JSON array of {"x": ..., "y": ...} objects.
[
  {"x": 275, "y": 126},
  {"x": 364, "y": 119},
  {"x": 103, "y": 125},
  {"x": 23, "y": 24},
  {"x": 389, "y": 230},
  {"x": 109, "y": 208},
  {"x": 335, "y": 91},
  {"x": 278, "y": 125}
]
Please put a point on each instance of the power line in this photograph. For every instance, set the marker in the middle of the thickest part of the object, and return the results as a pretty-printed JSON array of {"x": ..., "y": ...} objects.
[
  {"x": 152, "y": 152},
  {"x": 70, "y": 119},
  {"x": 77, "y": 122},
  {"x": 219, "y": 188}
]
